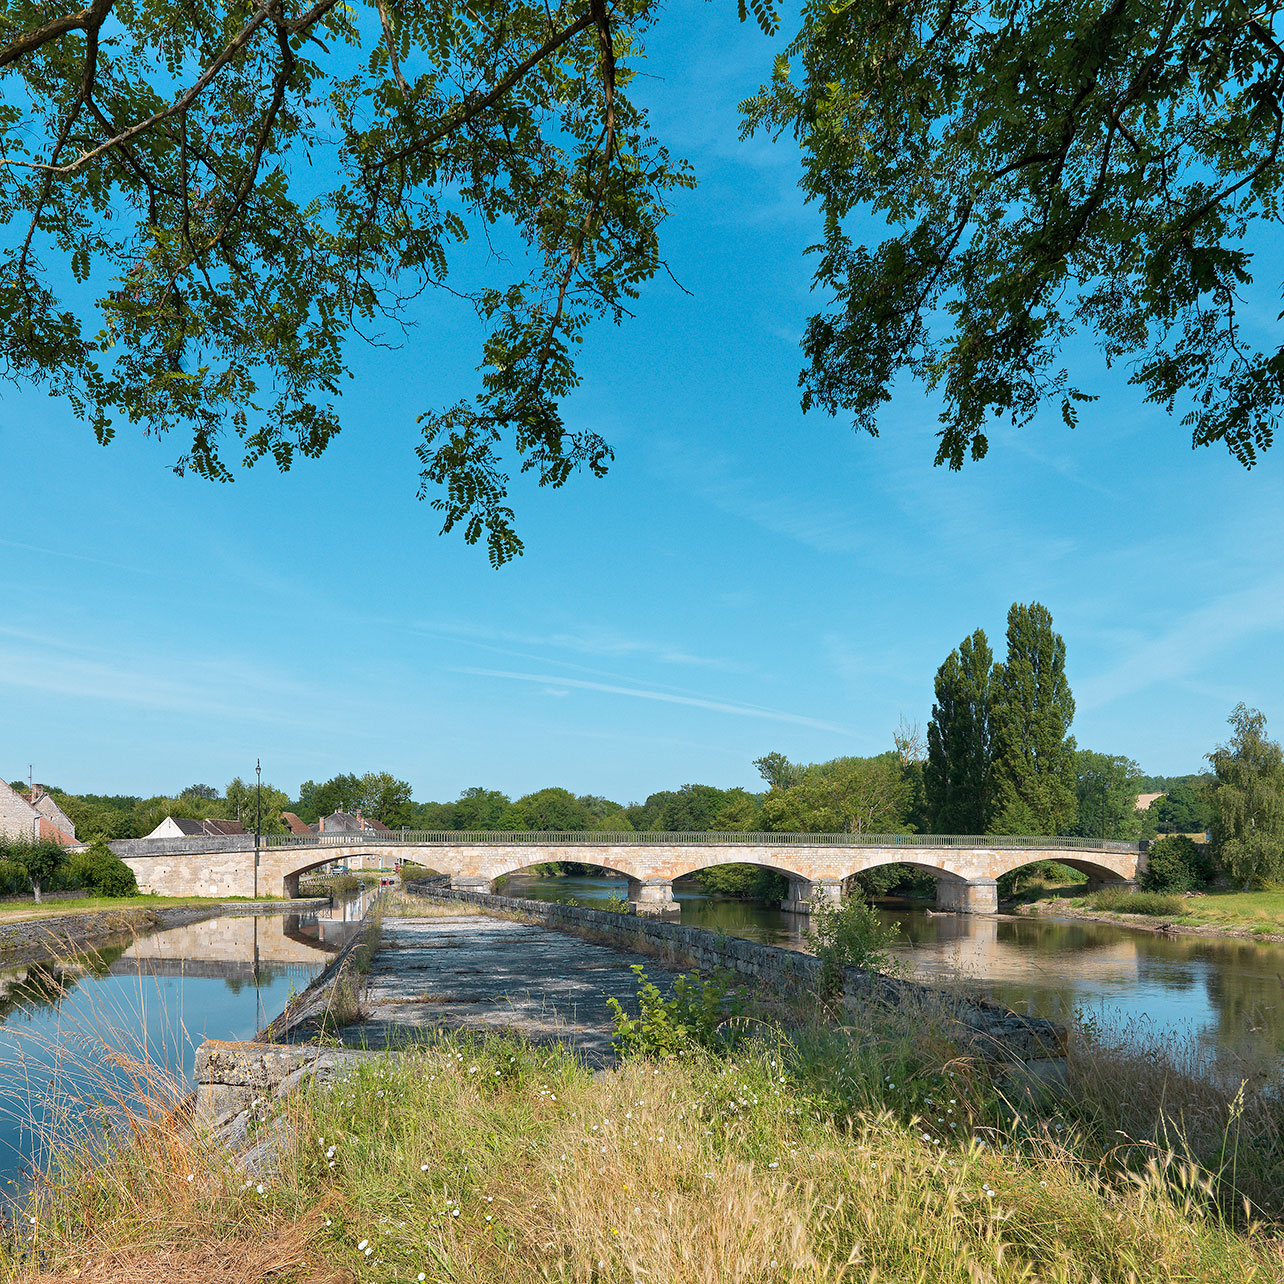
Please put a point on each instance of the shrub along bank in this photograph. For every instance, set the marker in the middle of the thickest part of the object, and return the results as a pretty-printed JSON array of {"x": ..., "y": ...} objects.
[{"x": 41, "y": 867}]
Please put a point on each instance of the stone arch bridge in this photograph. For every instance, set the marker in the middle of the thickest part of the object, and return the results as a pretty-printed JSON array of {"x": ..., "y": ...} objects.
[{"x": 965, "y": 867}]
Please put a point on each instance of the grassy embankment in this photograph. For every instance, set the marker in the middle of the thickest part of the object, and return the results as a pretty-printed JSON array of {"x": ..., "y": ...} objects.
[
  {"x": 810, "y": 1152},
  {"x": 1257, "y": 913},
  {"x": 19, "y": 911}
]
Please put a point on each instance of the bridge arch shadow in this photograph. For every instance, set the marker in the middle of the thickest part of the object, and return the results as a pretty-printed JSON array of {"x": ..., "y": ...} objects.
[
  {"x": 569, "y": 868},
  {"x": 1068, "y": 872},
  {"x": 898, "y": 873},
  {"x": 745, "y": 880}
]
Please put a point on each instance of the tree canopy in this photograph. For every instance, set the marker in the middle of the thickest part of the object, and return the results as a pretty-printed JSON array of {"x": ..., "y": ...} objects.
[
  {"x": 957, "y": 772},
  {"x": 1043, "y": 168},
  {"x": 238, "y": 188},
  {"x": 1033, "y": 770},
  {"x": 1248, "y": 800},
  {"x": 205, "y": 203}
]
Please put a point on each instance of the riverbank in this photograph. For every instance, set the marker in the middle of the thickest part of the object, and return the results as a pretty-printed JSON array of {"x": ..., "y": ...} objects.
[
  {"x": 27, "y": 936},
  {"x": 772, "y": 1150},
  {"x": 1252, "y": 916}
]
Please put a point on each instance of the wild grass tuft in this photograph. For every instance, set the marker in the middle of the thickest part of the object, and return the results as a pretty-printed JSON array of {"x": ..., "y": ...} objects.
[
  {"x": 1120, "y": 901},
  {"x": 488, "y": 1161}
]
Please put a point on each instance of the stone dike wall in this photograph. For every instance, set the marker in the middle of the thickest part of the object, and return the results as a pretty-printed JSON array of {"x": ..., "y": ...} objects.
[
  {"x": 234, "y": 1080},
  {"x": 988, "y": 1029},
  {"x": 40, "y": 937}
]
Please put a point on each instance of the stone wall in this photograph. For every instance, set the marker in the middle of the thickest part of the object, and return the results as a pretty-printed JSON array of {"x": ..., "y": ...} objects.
[
  {"x": 989, "y": 1029},
  {"x": 16, "y": 814}
]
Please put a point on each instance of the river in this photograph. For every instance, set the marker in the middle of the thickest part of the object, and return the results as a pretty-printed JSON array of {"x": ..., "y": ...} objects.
[
  {"x": 63, "y": 1023},
  {"x": 1221, "y": 995},
  {"x": 226, "y": 977}
]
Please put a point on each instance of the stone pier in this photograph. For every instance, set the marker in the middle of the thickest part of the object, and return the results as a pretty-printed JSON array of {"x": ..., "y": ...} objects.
[
  {"x": 975, "y": 896},
  {"x": 653, "y": 898},
  {"x": 804, "y": 892}
]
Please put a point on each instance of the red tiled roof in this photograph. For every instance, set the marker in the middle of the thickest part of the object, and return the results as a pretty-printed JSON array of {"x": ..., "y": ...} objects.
[
  {"x": 49, "y": 830},
  {"x": 295, "y": 825}
]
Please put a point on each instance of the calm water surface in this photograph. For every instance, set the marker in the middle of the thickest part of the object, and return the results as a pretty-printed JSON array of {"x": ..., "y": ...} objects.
[
  {"x": 161, "y": 995},
  {"x": 1226, "y": 995}
]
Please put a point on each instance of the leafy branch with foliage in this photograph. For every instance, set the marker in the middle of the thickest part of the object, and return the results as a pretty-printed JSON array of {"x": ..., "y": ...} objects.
[
  {"x": 698, "y": 1012},
  {"x": 1043, "y": 169}
]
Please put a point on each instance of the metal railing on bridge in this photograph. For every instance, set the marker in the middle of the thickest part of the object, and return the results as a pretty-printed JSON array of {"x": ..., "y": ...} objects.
[
  {"x": 698, "y": 838},
  {"x": 596, "y": 838}
]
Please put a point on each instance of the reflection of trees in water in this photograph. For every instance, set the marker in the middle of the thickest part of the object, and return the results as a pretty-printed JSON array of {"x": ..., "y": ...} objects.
[
  {"x": 46, "y": 982},
  {"x": 1248, "y": 1001}
]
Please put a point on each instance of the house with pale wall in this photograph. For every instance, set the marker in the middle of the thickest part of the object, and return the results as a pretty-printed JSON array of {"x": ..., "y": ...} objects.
[
  {"x": 35, "y": 817},
  {"x": 181, "y": 827}
]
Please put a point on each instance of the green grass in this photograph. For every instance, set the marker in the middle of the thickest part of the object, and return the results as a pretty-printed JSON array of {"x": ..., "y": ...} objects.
[
  {"x": 810, "y": 1152},
  {"x": 1118, "y": 901},
  {"x": 814, "y": 1158},
  {"x": 20, "y": 910},
  {"x": 1260, "y": 913}
]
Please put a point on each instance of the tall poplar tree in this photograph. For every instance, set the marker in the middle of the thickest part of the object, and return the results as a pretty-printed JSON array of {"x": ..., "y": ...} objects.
[
  {"x": 957, "y": 775},
  {"x": 1033, "y": 772}
]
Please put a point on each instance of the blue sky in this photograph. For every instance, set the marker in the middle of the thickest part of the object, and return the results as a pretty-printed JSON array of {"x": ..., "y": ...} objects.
[{"x": 746, "y": 579}]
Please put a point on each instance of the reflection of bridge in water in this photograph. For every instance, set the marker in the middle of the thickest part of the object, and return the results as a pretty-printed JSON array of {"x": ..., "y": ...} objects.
[
  {"x": 244, "y": 942},
  {"x": 965, "y": 867},
  {"x": 241, "y": 949}
]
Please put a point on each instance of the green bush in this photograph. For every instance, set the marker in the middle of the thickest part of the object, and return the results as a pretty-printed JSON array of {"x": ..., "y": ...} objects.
[
  {"x": 1176, "y": 864},
  {"x": 850, "y": 934},
  {"x": 744, "y": 882},
  {"x": 700, "y": 1013},
  {"x": 1118, "y": 900},
  {"x": 13, "y": 878},
  {"x": 99, "y": 871},
  {"x": 411, "y": 873}
]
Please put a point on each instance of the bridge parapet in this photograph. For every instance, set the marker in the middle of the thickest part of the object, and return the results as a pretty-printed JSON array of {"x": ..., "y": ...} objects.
[
  {"x": 599, "y": 838},
  {"x": 814, "y": 863}
]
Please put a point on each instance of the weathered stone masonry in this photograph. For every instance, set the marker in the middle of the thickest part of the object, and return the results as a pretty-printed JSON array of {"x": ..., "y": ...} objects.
[
  {"x": 988, "y": 1029},
  {"x": 965, "y": 871}
]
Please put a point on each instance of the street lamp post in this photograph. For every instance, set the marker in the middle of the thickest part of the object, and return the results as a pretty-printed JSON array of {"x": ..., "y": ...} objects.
[{"x": 258, "y": 821}]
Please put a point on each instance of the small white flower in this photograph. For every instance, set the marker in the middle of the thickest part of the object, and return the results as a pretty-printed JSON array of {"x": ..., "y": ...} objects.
[{"x": 363, "y": 1243}]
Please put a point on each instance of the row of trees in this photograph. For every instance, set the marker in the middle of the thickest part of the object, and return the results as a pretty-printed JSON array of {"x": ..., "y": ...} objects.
[
  {"x": 1000, "y": 758},
  {"x": 377, "y": 794},
  {"x": 41, "y": 867}
]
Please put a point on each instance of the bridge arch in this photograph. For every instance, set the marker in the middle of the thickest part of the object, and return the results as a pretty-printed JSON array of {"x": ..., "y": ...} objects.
[
  {"x": 226, "y": 865},
  {"x": 606, "y": 865}
]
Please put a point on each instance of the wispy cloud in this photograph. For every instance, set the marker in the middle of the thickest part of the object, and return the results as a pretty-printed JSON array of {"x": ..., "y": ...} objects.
[
  {"x": 229, "y": 689},
  {"x": 1183, "y": 649},
  {"x": 803, "y": 518},
  {"x": 42, "y": 551},
  {"x": 588, "y": 641},
  {"x": 664, "y": 697}
]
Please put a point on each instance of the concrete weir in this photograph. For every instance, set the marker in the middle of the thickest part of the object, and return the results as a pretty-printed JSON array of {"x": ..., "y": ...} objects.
[{"x": 544, "y": 972}]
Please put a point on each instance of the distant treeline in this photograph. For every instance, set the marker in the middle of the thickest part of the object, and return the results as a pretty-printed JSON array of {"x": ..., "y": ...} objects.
[{"x": 997, "y": 758}]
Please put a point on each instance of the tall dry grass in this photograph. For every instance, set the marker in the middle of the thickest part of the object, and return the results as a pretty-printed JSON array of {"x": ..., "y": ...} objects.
[
  {"x": 1215, "y": 1109},
  {"x": 820, "y": 1157}
]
